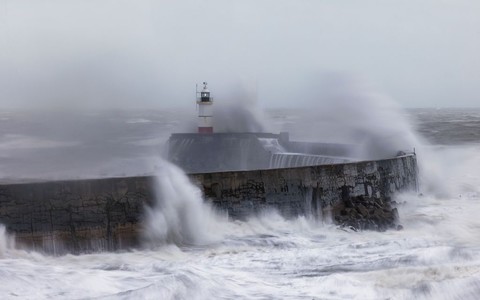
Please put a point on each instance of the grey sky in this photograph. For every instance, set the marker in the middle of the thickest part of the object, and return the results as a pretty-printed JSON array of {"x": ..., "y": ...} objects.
[{"x": 114, "y": 53}]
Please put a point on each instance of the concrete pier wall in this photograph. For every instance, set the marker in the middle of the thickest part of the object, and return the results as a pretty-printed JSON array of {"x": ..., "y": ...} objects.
[
  {"x": 76, "y": 216},
  {"x": 295, "y": 191},
  {"x": 106, "y": 214}
]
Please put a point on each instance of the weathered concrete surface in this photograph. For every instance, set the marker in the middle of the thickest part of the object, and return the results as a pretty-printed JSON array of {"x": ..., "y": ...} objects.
[
  {"x": 76, "y": 216},
  {"x": 105, "y": 214},
  {"x": 315, "y": 189}
]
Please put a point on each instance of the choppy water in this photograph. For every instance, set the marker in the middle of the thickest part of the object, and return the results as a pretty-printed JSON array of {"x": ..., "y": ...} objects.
[{"x": 436, "y": 256}]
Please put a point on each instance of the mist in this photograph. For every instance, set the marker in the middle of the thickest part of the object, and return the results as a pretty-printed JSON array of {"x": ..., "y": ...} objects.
[
  {"x": 349, "y": 109},
  {"x": 119, "y": 54},
  {"x": 373, "y": 58}
]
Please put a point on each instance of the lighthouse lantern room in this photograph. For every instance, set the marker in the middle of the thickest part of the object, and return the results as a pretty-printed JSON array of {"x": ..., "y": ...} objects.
[{"x": 205, "y": 110}]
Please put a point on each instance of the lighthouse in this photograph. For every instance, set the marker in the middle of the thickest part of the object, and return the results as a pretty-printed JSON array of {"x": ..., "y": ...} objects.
[{"x": 205, "y": 110}]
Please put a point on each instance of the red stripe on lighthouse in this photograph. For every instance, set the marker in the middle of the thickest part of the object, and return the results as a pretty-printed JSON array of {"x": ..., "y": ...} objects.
[{"x": 205, "y": 129}]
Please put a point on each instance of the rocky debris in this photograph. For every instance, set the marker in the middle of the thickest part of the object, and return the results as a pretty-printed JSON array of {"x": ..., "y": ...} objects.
[{"x": 367, "y": 213}]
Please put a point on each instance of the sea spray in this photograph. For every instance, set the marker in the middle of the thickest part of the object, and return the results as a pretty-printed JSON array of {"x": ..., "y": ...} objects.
[
  {"x": 180, "y": 215},
  {"x": 238, "y": 110},
  {"x": 444, "y": 170},
  {"x": 350, "y": 110},
  {"x": 6, "y": 241}
]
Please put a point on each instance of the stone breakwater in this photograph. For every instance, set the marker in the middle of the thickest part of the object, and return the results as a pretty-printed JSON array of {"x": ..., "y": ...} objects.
[
  {"x": 106, "y": 214},
  {"x": 367, "y": 213},
  {"x": 354, "y": 194}
]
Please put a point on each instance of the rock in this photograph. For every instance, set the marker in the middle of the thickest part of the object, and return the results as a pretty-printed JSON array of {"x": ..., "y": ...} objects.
[
  {"x": 378, "y": 213},
  {"x": 367, "y": 213},
  {"x": 348, "y": 203},
  {"x": 362, "y": 210},
  {"x": 395, "y": 214}
]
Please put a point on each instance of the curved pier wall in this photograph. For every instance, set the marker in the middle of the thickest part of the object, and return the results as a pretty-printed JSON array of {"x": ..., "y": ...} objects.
[
  {"x": 307, "y": 190},
  {"x": 105, "y": 214}
]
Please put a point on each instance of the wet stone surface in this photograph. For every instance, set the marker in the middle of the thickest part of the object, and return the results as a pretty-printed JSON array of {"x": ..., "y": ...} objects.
[{"x": 367, "y": 213}]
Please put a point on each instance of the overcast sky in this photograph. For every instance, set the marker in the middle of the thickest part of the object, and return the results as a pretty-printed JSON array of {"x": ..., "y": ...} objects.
[{"x": 150, "y": 54}]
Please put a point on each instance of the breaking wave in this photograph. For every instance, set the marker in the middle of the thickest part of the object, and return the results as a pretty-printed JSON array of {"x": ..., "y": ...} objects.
[
  {"x": 7, "y": 242},
  {"x": 180, "y": 215}
]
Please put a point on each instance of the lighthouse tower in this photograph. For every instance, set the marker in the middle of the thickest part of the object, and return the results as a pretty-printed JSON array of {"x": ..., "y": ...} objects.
[{"x": 205, "y": 110}]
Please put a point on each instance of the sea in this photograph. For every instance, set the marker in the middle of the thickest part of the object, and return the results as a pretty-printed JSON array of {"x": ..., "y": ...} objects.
[{"x": 194, "y": 251}]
